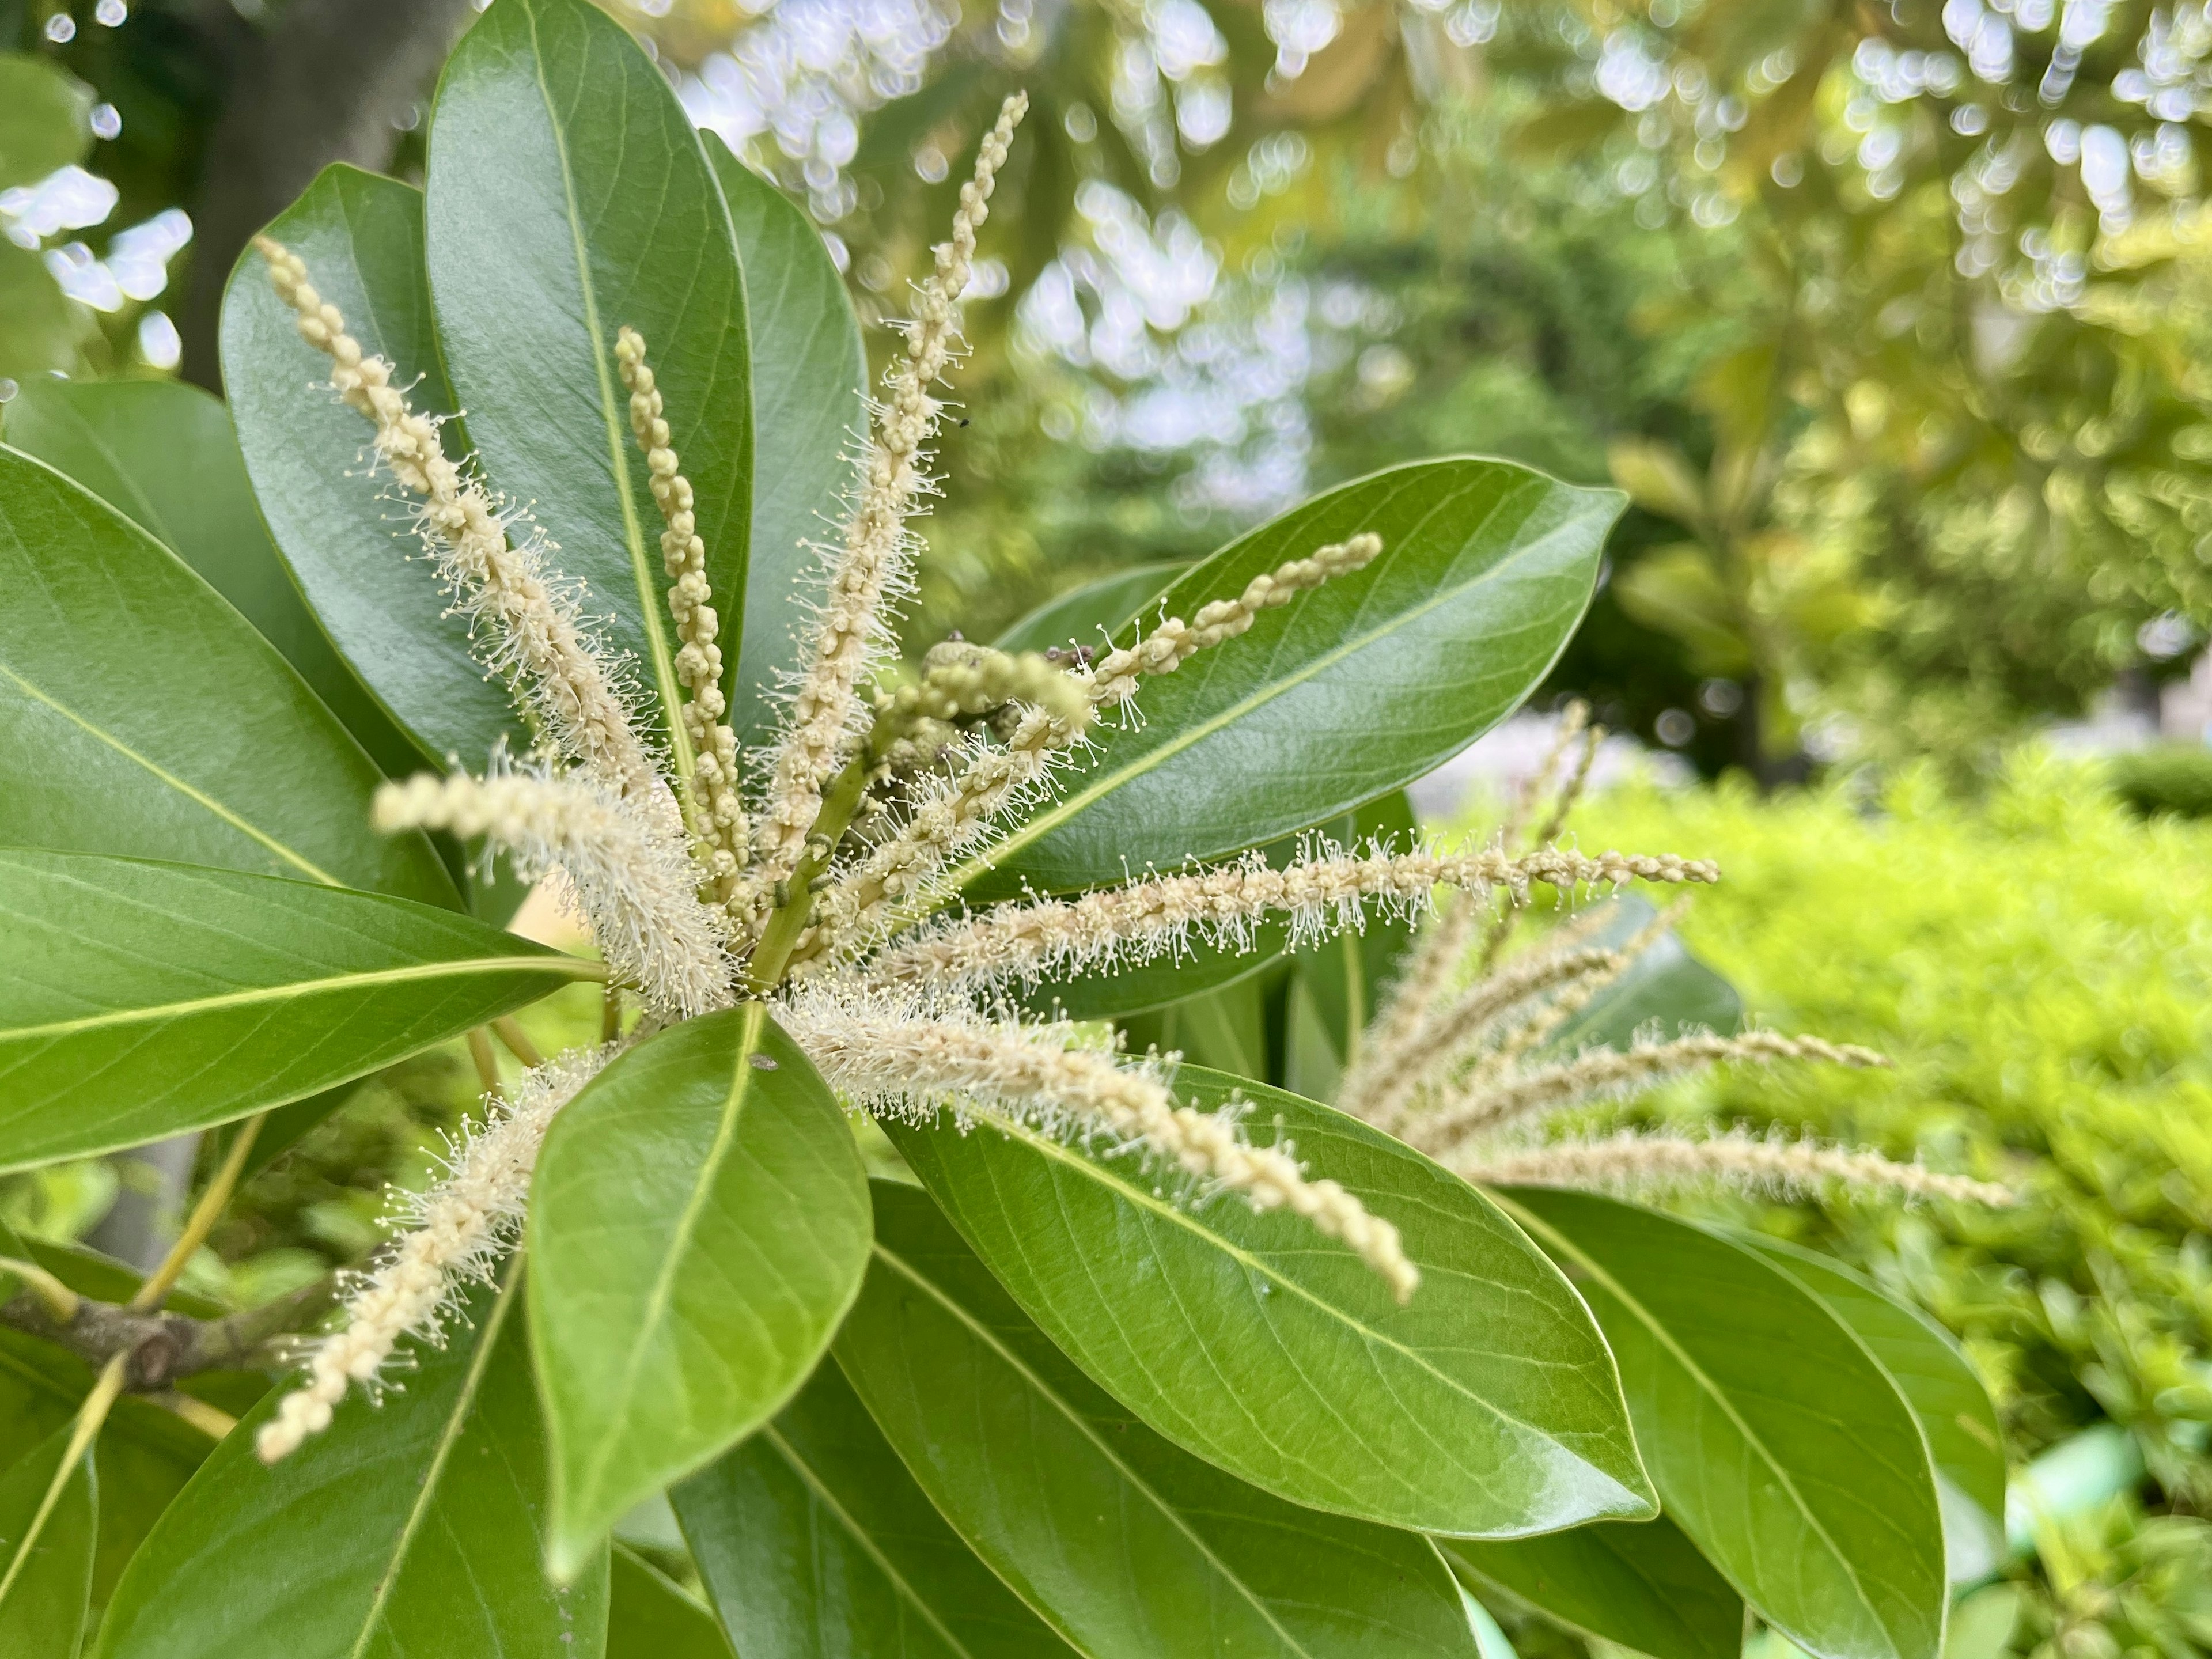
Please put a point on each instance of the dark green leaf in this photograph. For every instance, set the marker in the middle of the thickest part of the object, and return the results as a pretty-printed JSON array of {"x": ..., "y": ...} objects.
[
  {"x": 162, "y": 452},
  {"x": 649, "y": 1617},
  {"x": 810, "y": 377},
  {"x": 1094, "y": 609},
  {"x": 1925, "y": 1362},
  {"x": 1665, "y": 987},
  {"x": 138, "y": 1001},
  {"x": 1190, "y": 1310},
  {"x": 569, "y": 197},
  {"x": 1777, "y": 1443},
  {"x": 347, "y": 540},
  {"x": 698, "y": 1225},
  {"x": 816, "y": 1543},
  {"x": 46, "y": 1554},
  {"x": 45, "y": 118},
  {"x": 1341, "y": 695},
  {"x": 414, "y": 1527},
  {"x": 141, "y": 714},
  {"x": 1123, "y": 1543},
  {"x": 1640, "y": 1583}
]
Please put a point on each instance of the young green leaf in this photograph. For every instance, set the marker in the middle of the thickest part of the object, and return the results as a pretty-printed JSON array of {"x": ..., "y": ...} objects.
[
  {"x": 569, "y": 197},
  {"x": 1347, "y": 692},
  {"x": 140, "y": 714},
  {"x": 698, "y": 1225},
  {"x": 1125, "y": 1545},
  {"x": 413, "y": 1525},
  {"x": 348, "y": 543},
  {"x": 1641, "y": 1584},
  {"x": 47, "y": 1550},
  {"x": 650, "y": 1616},
  {"x": 164, "y": 453},
  {"x": 810, "y": 384},
  {"x": 1925, "y": 1362},
  {"x": 814, "y": 1539},
  {"x": 1277, "y": 1354},
  {"x": 1092, "y": 614},
  {"x": 138, "y": 1001},
  {"x": 1776, "y": 1442}
]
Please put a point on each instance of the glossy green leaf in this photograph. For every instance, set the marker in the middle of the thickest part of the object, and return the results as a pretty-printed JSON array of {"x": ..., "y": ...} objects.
[
  {"x": 569, "y": 197},
  {"x": 45, "y": 118},
  {"x": 1776, "y": 1442},
  {"x": 650, "y": 1616},
  {"x": 1125, "y": 1545},
  {"x": 138, "y": 1001},
  {"x": 1924, "y": 1360},
  {"x": 698, "y": 1225},
  {"x": 46, "y": 1554},
  {"x": 1488, "y": 1406},
  {"x": 1641, "y": 1584},
  {"x": 346, "y": 538},
  {"x": 816, "y": 1543},
  {"x": 41, "y": 327},
  {"x": 163, "y": 453},
  {"x": 411, "y": 1527},
  {"x": 810, "y": 379},
  {"x": 1084, "y": 614},
  {"x": 107, "y": 642},
  {"x": 1665, "y": 989},
  {"x": 1338, "y": 696}
]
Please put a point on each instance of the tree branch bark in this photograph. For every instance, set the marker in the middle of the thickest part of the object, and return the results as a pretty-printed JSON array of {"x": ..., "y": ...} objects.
[{"x": 165, "y": 1347}]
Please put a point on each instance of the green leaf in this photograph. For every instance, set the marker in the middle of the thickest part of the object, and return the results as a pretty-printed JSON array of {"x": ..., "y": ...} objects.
[
  {"x": 649, "y": 1617},
  {"x": 698, "y": 1225},
  {"x": 41, "y": 327},
  {"x": 139, "y": 1000},
  {"x": 810, "y": 379},
  {"x": 1924, "y": 1360},
  {"x": 1124, "y": 1544},
  {"x": 1665, "y": 986},
  {"x": 1189, "y": 1310},
  {"x": 1096, "y": 608},
  {"x": 1641, "y": 1584},
  {"x": 1776, "y": 1442},
  {"x": 346, "y": 540},
  {"x": 1338, "y": 696},
  {"x": 141, "y": 714},
  {"x": 568, "y": 196},
  {"x": 46, "y": 1554},
  {"x": 45, "y": 118},
  {"x": 411, "y": 1527},
  {"x": 163, "y": 453},
  {"x": 814, "y": 1540}
]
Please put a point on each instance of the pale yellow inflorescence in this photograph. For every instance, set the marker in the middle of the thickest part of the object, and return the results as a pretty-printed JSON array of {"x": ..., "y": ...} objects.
[
  {"x": 721, "y": 833},
  {"x": 1632, "y": 1161},
  {"x": 897, "y": 1059},
  {"x": 460, "y": 1227},
  {"x": 1606, "y": 1071},
  {"x": 537, "y": 642},
  {"x": 632, "y": 879},
  {"x": 826, "y": 709}
]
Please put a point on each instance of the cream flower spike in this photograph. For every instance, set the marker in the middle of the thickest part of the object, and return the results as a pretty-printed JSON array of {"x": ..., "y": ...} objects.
[
  {"x": 632, "y": 881},
  {"x": 460, "y": 1228},
  {"x": 1631, "y": 1162},
  {"x": 537, "y": 643},
  {"x": 826, "y": 710},
  {"x": 893, "y": 1060}
]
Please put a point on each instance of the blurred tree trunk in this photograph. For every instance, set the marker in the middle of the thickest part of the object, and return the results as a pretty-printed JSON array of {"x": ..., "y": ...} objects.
[{"x": 328, "y": 81}]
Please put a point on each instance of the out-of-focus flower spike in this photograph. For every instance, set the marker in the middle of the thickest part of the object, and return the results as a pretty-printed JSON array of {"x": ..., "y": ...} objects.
[{"x": 1632, "y": 1162}]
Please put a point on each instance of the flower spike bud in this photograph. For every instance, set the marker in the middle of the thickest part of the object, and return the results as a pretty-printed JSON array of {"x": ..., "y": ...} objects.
[
  {"x": 1606, "y": 1073},
  {"x": 901, "y": 1063},
  {"x": 1630, "y": 1162},
  {"x": 460, "y": 1228},
  {"x": 631, "y": 878},
  {"x": 1175, "y": 641},
  {"x": 721, "y": 836},
  {"x": 537, "y": 642},
  {"x": 825, "y": 711}
]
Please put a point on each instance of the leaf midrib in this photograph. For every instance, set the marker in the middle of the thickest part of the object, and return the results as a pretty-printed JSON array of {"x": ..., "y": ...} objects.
[{"x": 1088, "y": 1432}]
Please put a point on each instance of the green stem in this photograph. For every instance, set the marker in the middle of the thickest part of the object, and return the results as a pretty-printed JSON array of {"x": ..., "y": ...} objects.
[
  {"x": 202, "y": 1221},
  {"x": 765, "y": 972}
]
